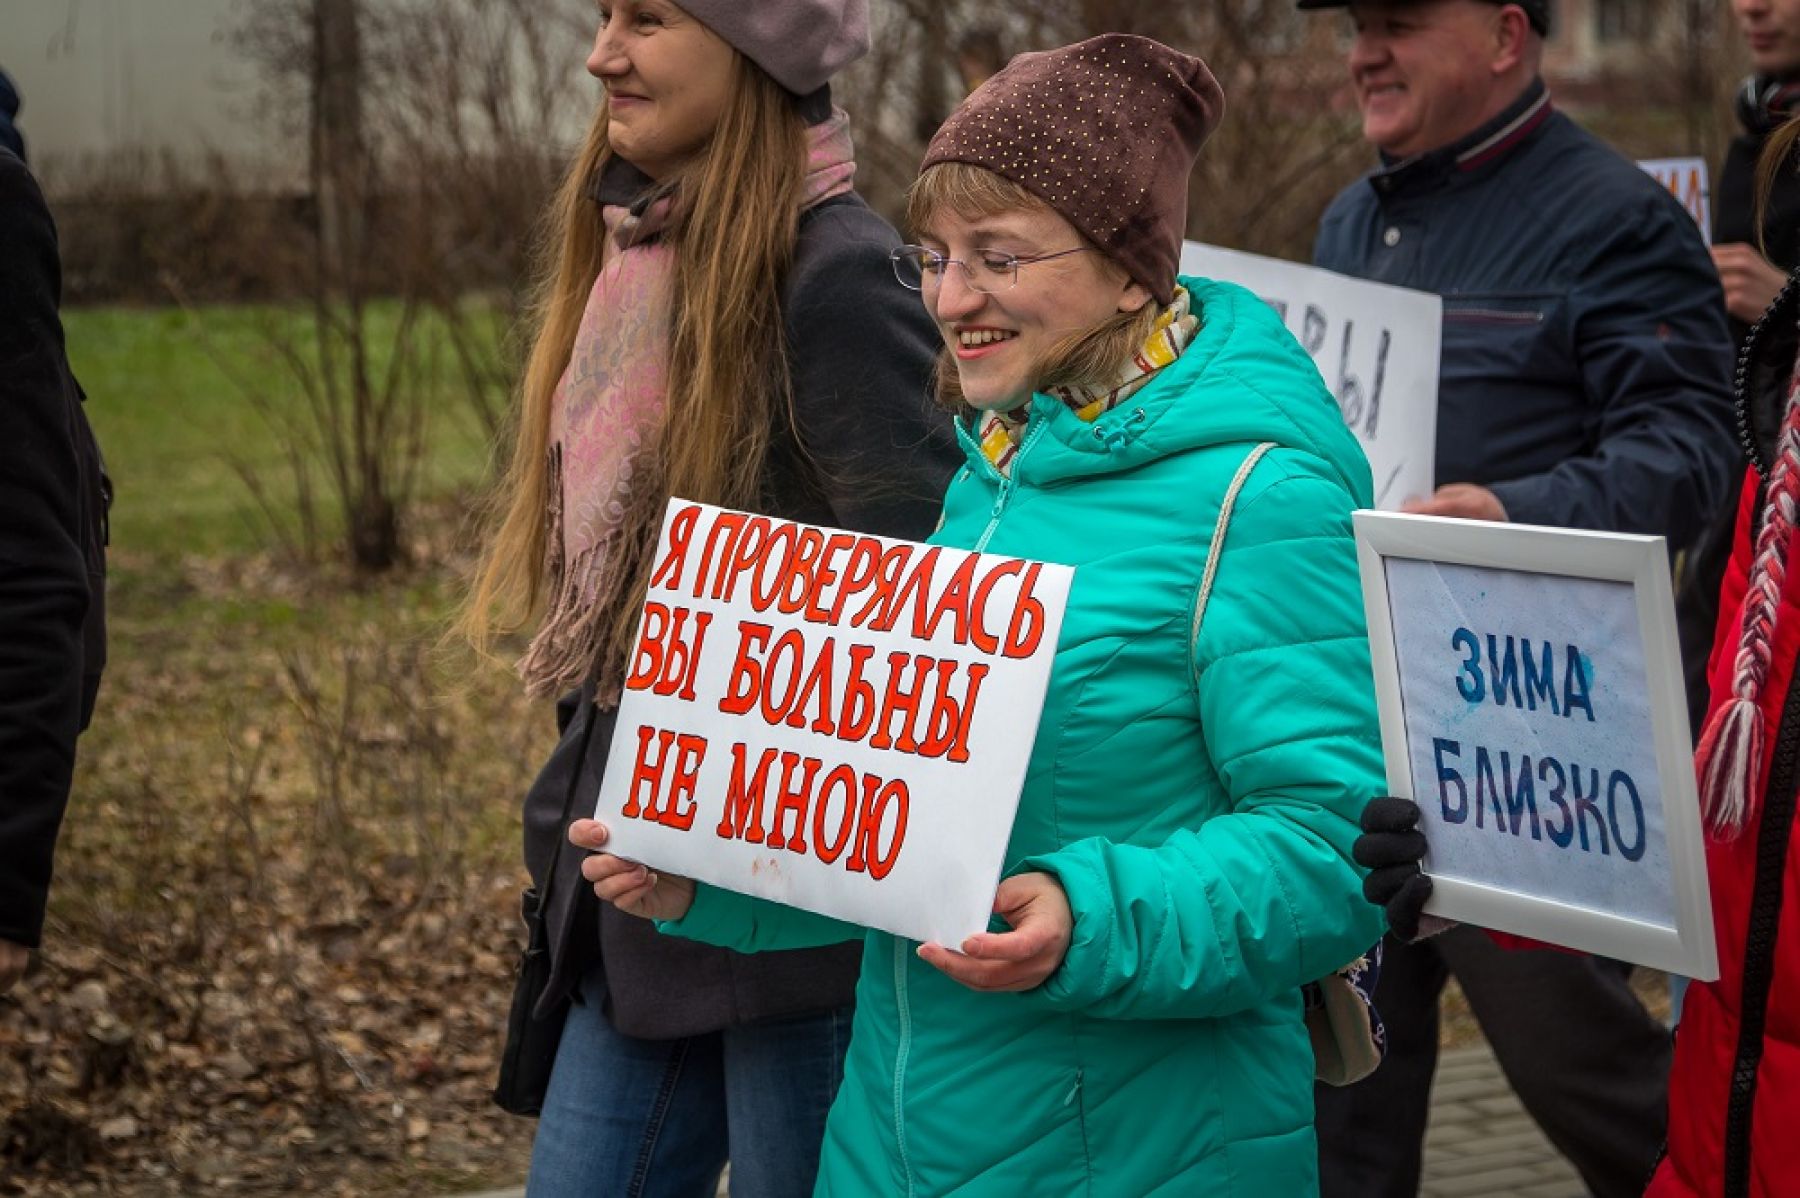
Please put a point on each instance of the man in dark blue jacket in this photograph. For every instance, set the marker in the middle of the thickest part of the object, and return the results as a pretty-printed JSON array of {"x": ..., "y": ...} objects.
[{"x": 1585, "y": 383}]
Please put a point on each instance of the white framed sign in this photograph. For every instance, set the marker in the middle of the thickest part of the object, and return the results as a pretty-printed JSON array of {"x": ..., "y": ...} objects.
[
  {"x": 1688, "y": 181},
  {"x": 1378, "y": 348},
  {"x": 1529, "y": 682},
  {"x": 830, "y": 720}
]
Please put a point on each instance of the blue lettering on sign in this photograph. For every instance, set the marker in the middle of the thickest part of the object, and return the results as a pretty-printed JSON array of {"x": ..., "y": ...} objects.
[
  {"x": 1620, "y": 780},
  {"x": 1575, "y": 685},
  {"x": 1578, "y": 814},
  {"x": 1486, "y": 793},
  {"x": 1585, "y": 806},
  {"x": 1560, "y": 837},
  {"x": 1457, "y": 814},
  {"x": 1522, "y": 673},
  {"x": 1471, "y": 688},
  {"x": 1540, "y": 681},
  {"x": 1505, "y": 671},
  {"x": 1510, "y": 793},
  {"x": 1520, "y": 799}
]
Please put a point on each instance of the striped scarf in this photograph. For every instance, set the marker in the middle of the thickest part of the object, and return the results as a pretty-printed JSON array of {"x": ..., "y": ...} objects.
[
  {"x": 999, "y": 433},
  {"x": 1731, "y": 759}
]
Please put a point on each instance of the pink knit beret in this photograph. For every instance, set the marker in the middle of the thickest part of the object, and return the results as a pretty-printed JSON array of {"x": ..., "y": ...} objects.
[
  {"x": 800, "y": 43},
  {"x": 1105, "y": 132}
]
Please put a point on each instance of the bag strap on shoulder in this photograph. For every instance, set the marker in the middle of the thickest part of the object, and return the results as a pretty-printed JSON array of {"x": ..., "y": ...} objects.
[{"x": 1218, "y": 543}]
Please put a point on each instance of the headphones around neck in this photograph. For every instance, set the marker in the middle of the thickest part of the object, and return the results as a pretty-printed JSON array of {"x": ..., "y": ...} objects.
[{"x": 1764, "y": 104}]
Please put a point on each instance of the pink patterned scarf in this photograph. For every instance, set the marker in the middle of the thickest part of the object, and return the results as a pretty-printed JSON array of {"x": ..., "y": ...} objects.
[{"x": 606, "y": 417}]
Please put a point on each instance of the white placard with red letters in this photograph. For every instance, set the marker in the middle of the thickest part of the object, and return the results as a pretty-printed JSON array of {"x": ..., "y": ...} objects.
[
  {"x": 1688, "y": 181},
  {"x": 830, "y": 720}
]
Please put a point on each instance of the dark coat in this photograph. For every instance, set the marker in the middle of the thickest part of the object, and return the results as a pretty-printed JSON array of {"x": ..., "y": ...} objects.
[
  {"x": 1734, "y": 208},
  {"x": 10, "y": 137},
  {"x": 1734, "y": 220},
  {"x": 860, "y": 351},
  {"x": 53, "y": 498},
  {"x": 1586, "y": 374}
]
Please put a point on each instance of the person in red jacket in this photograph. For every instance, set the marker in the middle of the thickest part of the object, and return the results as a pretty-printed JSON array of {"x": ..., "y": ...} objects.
[
  {"x": 1735, "y": 1085},
  {"x": 1734, "y": 1095}
]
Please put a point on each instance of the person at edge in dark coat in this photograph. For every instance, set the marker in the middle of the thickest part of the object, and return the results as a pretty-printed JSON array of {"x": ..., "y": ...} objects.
[
  {"x": 1736, "y": 1080},
  {"x": 1585, "y": 383},
  {"x": 53, "y": 497},
  {"x": 1754, "y": 255},
  {"x": 718, "y": 321},
  {"x": 10, "y": 137}
]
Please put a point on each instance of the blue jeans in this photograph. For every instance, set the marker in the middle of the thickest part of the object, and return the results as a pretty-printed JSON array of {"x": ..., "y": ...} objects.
[{"x": 630, "y": 1118}]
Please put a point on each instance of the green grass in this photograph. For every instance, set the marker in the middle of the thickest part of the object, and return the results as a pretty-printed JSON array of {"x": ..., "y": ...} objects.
[{"x": 170, "y": 398}]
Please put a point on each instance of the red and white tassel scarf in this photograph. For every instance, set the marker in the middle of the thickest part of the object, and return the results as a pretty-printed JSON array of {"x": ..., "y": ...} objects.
[{"x": 1732, "y": 756}]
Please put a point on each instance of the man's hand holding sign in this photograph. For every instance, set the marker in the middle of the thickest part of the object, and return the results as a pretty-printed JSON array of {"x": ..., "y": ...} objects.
[{"x": 829, "y": 721}]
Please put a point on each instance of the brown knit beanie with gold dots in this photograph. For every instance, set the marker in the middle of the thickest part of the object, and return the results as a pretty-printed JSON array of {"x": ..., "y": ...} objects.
[{"x": 1105, "y": 132}]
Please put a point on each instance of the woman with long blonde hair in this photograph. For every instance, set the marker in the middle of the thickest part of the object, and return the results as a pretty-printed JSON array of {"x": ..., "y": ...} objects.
[{"x": 718, "y": 322}]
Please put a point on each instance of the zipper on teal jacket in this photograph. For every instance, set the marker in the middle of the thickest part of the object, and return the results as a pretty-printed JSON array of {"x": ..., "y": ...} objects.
[
  {"x": 900, "y": 953},
  {"x": 900, "y": 1054},
  {"x": 1007, "y": 484}
]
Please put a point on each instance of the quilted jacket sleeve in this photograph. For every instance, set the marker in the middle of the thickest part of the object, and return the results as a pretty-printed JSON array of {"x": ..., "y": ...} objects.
[
  {"x": 752, "y": 925},
  {"x": 1253, "y": 903},
  {"x": 1650, "y": 332}
]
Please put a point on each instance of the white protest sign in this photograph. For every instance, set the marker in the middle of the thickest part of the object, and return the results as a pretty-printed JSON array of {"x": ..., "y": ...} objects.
[
  {"x": 1688, "y": 181},
  {"x": 829, "y": 720},
  {"x": 1531, "y": 704},
  {"x": 1377, "y": 346}
]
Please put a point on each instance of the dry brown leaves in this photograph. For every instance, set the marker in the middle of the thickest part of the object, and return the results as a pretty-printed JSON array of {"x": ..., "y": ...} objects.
[{"x": 283, "y": 926}]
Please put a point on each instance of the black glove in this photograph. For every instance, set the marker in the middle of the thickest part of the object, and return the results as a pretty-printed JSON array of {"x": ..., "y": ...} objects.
[{"x": 1391, "y": 847}]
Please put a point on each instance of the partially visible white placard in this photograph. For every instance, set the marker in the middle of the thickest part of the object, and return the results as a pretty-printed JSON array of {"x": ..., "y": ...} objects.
[
  {"x": 1530, "y": 690},
  {"x": 1688, "y": 181},
  {"x": 1378, "y": 348},
  {"x": 830, "y": 720}
]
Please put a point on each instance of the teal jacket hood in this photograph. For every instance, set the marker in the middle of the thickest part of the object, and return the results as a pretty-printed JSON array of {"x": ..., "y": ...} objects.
[{"x": 1242, "y": 354}]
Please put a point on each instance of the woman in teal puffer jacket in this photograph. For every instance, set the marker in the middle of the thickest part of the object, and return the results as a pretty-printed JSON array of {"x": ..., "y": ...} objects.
[{"x": 1180, "y": 864}]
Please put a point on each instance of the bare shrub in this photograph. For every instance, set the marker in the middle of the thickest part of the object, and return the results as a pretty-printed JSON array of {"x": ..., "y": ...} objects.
[
  {"x": 1262, "y": 181},
  {"x": 134, "y": 227}
]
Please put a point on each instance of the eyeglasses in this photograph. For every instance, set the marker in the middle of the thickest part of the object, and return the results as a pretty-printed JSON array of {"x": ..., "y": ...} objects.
[{"x": 987, "y": 271}]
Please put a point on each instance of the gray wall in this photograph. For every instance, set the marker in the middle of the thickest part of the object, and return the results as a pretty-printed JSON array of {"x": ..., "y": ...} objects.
[{"x": 104, "y": 80}]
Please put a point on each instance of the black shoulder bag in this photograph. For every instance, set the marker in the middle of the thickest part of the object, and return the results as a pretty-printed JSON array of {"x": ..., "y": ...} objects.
[{"x": 531, "y": 1042}]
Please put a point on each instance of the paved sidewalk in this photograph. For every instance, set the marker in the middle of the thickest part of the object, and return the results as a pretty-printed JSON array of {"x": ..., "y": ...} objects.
[{"x": 1481, "y": 1143}]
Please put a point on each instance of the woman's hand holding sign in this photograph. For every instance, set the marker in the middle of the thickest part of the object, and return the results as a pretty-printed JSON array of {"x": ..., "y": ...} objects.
[
  {"x": 1042, "y": 925},
  {"x": 631, "y": 887},
  {"x": 1391, "y": 848},
  {"x": 1034, "y": 904}
]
